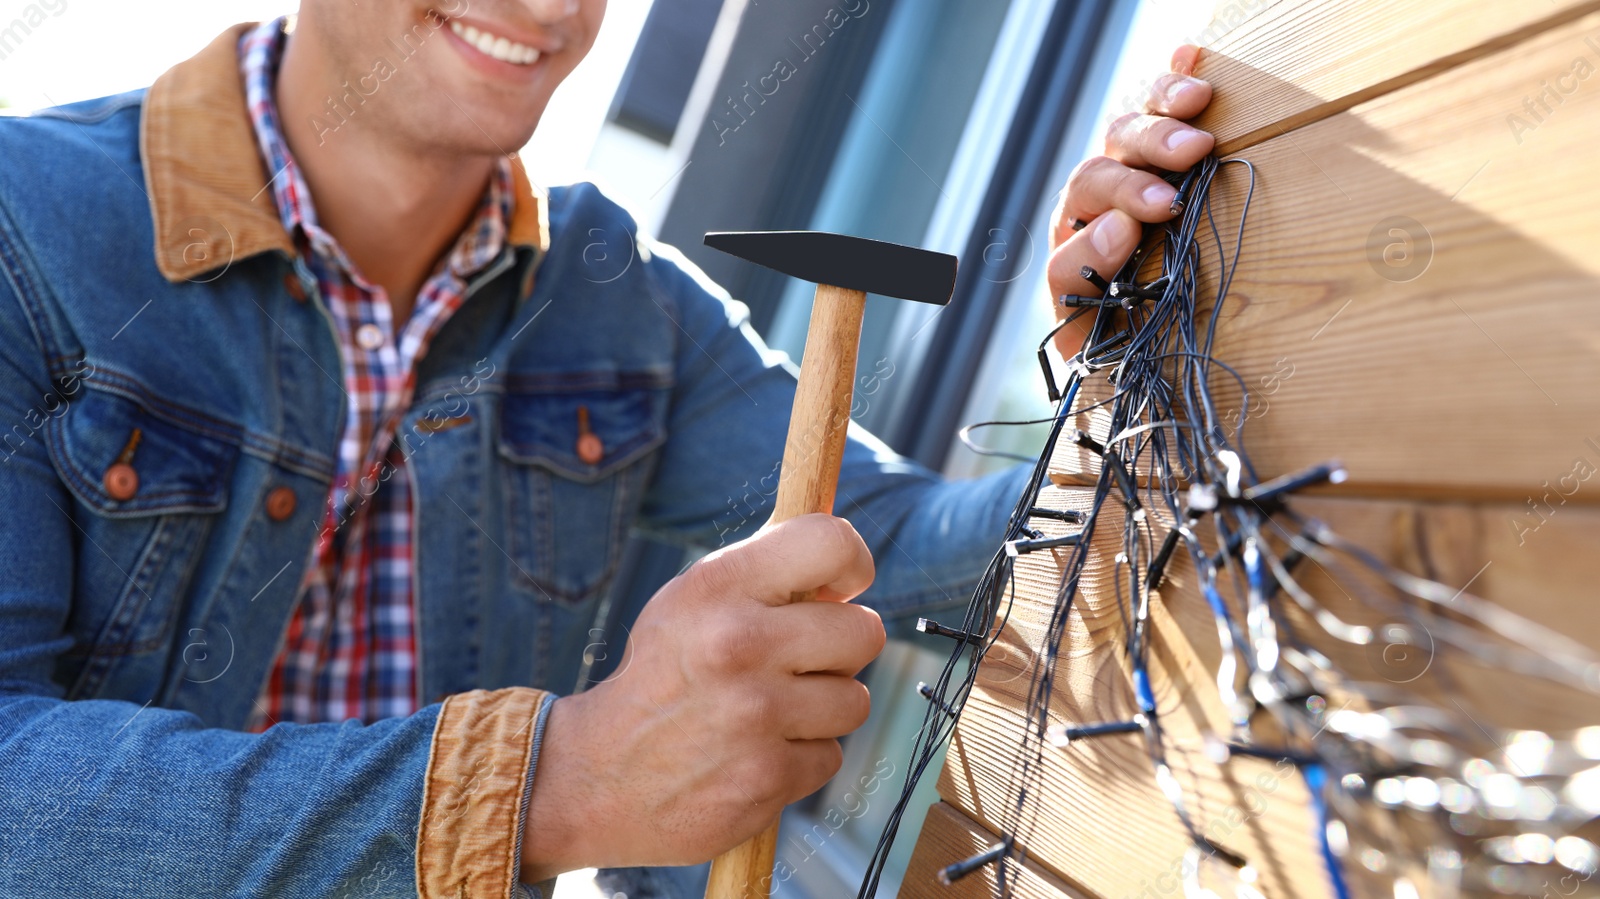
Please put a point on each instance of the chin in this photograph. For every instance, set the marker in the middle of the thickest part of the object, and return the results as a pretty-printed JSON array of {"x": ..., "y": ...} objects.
[
  {"x": 477, "y": 129},
  {"x": 480, "y": 115}
]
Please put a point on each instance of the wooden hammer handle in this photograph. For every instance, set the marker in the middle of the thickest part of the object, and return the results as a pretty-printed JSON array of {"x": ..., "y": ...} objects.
[{"x": 807, "y": 483}]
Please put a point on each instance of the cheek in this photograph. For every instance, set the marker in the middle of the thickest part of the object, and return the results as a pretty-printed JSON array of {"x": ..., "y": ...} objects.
[
  {"x": 575, "y": 52},
  {"x": 593, "y": 14}
]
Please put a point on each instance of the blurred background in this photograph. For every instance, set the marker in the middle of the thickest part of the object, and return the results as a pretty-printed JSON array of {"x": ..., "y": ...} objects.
[{"x": 950, "y": 124}]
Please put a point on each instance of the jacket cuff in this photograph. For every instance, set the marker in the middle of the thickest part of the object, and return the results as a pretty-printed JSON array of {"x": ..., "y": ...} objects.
[
  {"x": 475, "y": 793},
  {"x": 547, "y": 889}
]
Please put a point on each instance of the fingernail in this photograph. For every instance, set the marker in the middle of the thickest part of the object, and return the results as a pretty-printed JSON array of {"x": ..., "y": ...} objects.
[
  {"x": 1180, "y": 86},
  {"x": 1181, "y": 136},
  {"x": 1159, "y": 195},
  {"x": 1110, "y": 231}
]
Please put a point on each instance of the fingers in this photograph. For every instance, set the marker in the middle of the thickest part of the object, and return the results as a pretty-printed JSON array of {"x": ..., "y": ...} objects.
[
  {"x": 1114, "y": 193},
  {"x": 1137, "y": 145},
  {"x": 1103, "y": 245},
  {"x": 1178, "y": 96},
  {"x": 811, "y": 552},
  {"x": 1158, "y": 142},
  {"x": 814, "y": 763},
  {"x": 1134, "y": 144},
  {"x": 1159, "y": 139},
  {"x": 822, "y": 706},
  {"x": 826, "y": 638},
  {"x": 1102, "y": 183},
  {"x": 1185, "y": 58}
]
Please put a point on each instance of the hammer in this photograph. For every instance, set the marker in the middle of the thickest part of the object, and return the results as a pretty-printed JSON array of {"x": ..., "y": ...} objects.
[{"x": 845, "y": 269}]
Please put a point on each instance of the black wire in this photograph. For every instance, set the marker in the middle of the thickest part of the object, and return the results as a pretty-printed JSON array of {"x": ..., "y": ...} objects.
[
  {"x": 1169, "y": 456},
  {"x": 965, "y": 432}
]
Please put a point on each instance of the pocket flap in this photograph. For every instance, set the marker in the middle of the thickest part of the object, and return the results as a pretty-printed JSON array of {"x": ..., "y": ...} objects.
[
  {"x": 544, "y": 428},
  {"x": 178, "y": 468}
]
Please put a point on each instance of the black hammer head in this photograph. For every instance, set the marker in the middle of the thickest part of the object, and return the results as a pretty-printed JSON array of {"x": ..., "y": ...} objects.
[{"x": 855, "y": 263}]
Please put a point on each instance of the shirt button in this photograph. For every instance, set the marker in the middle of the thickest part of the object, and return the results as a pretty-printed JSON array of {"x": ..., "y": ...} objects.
[
  {"x": 121, "y": 482},
  {"x": 291, "y": 283},
  {"x": 369, "y": 336},
  {"x": 280, "y": 503}
]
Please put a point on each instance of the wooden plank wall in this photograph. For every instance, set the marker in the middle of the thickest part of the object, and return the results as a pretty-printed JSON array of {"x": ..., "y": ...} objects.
[{"x": 1419, "y": 297}]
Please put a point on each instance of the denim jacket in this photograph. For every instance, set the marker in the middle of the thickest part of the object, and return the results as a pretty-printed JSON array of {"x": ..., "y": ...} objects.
[{"x": 169, "y": 415}]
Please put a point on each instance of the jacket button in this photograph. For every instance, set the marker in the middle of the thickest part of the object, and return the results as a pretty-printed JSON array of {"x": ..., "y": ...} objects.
[
  {"x": 121, "y": 482},
  {"x": 280, "y": 503},
  {"x": 291, "y": 283},
  {"x": 590, "y": 449}
]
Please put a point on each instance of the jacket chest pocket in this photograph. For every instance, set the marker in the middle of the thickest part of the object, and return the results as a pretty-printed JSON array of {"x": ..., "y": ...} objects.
[
  {"x": 148, "y": 490},
  {"x": 577, "y": 464}
]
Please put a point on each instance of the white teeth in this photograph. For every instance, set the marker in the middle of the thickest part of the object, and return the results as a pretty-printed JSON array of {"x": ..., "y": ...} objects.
[{"x": 503, "y": 49}]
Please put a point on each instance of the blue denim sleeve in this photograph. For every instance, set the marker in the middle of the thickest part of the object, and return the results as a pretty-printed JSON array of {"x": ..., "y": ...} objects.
[
  {"x": 112, "y": 798},
  {"x": 717, "y": 476}
]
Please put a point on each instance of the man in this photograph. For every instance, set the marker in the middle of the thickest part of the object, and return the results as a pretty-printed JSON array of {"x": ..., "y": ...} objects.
[{"x": 308, "y": 504}]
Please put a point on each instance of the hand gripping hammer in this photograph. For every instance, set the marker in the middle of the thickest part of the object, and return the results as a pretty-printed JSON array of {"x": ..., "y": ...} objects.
[{"x": 845, "y": 269}]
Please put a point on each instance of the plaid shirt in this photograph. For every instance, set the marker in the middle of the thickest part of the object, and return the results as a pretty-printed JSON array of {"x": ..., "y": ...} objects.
[{"x": 351, "y": 650}]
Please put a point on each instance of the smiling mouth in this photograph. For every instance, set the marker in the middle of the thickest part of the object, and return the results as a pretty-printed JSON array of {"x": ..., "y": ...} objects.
[{"x": 495, "y": 46}]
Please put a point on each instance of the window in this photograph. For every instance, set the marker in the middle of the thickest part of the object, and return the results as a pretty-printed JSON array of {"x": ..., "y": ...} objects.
[{"x": 656, "y": 85}]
